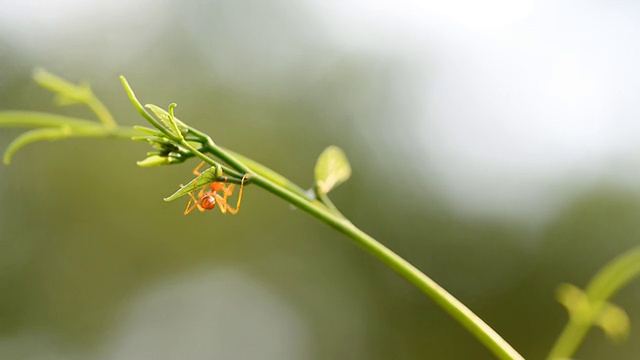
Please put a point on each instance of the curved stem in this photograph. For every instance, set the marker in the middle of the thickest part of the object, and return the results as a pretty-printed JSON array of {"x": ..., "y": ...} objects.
[
  {"x": 326, "y": 212},
  {"x": 226, "y": 157},
  {"x": 102, "y": 113},
  {"x": 329, "y": 214},
  {"x": 138, "y": 105},
  {"x": 485, "y": 334},
  {"x": 603, "y": 286}
]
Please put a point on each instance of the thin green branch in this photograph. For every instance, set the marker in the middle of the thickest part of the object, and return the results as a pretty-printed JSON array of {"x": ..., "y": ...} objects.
[
  {"x": 332, "y": 217},
  {"x": 257, "y": 168},
  {"x": 101, "y": 112},
  {"x": 611, "y": 278},
  {"x": 62, "y": 133},
  {"x": 69, "y": 93},
  {"x": 283, "y": 188},
  {"x": 226, "y": 157},
  {"x": 326, "y": 201},
  {"x": 180, "y": 146},
  {"x": 49, "y": 127},
  {"x": 38, "y": 119},
  {"x": 208, "y": 142},
  {"x": 136, "y": 103},
  {"x": 483, "y": 332}
]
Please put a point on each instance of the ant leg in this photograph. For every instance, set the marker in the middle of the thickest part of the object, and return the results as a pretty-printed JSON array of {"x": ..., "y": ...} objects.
[
  {"x": 222, "y": 200},
  {"x": 228, "y": 191},
  {"x": 222, "y": 203},
  {"x": 188, "y": 210},
  {"x": 193, "y": 201},
  {"x": 226, "y": 205},
  {"x": 196, "y": 171},
  {"x": 201, "y": 193}
]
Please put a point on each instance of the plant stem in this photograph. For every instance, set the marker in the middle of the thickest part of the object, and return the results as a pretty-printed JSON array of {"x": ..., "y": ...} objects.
[
  {"x": 101, "y": 112},
  {"x": 330, "y": 215},
  {"x": 485, "y": 334},
  {"x": 613, "y": 276},
  {"x": 281, "y": 187}
]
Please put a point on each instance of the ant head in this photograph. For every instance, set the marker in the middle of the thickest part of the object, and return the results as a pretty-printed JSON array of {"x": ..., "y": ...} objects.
[{"x": 208, "y": 202}]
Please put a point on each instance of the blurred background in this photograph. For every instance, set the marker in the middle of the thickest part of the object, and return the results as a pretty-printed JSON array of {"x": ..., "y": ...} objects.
[{"x": 494, "y": 144}]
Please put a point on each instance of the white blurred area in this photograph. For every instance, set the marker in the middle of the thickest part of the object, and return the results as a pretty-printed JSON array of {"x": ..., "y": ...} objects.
[
  {"x": 206, "y": 313},
  {"x": 518, "y": 105},
  {"x": 209, "y": 314},
  {"x": 66, "y": 29},
  {"x": 509, "y": 107}
]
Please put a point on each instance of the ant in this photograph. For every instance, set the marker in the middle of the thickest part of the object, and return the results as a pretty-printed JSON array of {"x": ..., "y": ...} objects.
[{"x": 207, "y": 200}]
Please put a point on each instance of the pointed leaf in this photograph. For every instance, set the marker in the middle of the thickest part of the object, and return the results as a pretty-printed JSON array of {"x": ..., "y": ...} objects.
[
  {"x": 167, "y": 118},
  {"x": 208, "y": 176},
  {"x": 162, "y": 115},
  {"x": 332, "y": 169},
  {"x": 147, "y": 130},
  {"x": 159, "y": 160},
  {"x": 68, "y": 93},
  {"x": 136, "y": 103}
]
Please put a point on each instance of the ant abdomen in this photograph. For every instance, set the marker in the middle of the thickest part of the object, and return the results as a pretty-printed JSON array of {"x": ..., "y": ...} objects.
[{"x": 208, "y": 202}]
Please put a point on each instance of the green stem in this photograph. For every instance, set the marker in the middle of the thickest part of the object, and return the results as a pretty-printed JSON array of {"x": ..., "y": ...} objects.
[
  {"x": 101, "y": 112},
  {"x": 208, "y": 142},
  {"x": 55, "y": 133},
  {"x": 274, "y": 177},
  {"x": 324, "y": 199},
  {"x": 328, "y": 214},
  {"x": 71, "y": 93},
  {"x": 274, "y": 183},
  {"x": 38, "y": 119},
  {"x": 138, "y": 105},
  {"x": 602, "y": 287},
  {"x": 485, "y": 334},
  {"x": 226, "y": 157}
]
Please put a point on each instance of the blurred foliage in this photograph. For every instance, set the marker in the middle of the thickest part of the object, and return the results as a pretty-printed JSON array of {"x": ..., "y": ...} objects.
[{"x": 82, "y": 235}]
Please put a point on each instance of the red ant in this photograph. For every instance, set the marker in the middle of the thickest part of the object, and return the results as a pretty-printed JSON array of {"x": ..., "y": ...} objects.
[{"x": 207, "y": 200}]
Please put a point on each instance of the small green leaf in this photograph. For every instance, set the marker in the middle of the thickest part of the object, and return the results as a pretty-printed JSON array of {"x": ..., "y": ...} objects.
[
  {"x": 153, "y": 160},
  {"x": 614, "y": 322},
  {"x": 67, "y": 92},
  {"x": 162, "y": 115},
  {"x": 179, "y": 124},
  {"x": 167, "y": 118},
  {"x": 332, "y": 169},
  {"x": 159, "y": 160},
  {"x": 612, "y": 319},
  {"x": 208, "y": 176},
  {"x": 571, "y": 297},
  {"x": 136, "y": 103},
  {"x": 147, "y": 130}
]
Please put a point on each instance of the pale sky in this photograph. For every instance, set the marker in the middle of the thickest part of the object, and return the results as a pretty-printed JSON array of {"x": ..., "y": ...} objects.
[{"x": 519, "y": 104}]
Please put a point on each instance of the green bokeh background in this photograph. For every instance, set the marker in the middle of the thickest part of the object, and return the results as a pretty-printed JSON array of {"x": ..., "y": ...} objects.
[{"x": 94, "y": 265}]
